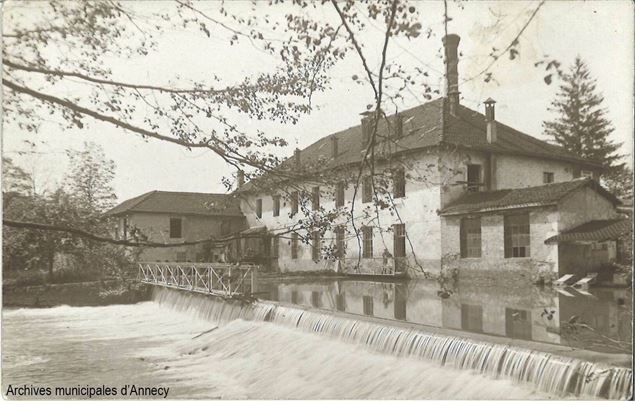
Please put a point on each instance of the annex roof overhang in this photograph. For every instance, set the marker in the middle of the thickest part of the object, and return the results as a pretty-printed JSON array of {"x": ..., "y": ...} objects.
[
  {"x": 593, "y": 231},
  {"x": 521, "y": 198}
]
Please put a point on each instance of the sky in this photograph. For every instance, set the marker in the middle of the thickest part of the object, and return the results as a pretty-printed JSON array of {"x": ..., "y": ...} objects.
[{"x": 600, "y": 32}]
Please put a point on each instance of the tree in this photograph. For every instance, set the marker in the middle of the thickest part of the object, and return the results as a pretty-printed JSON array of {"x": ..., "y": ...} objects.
[
  {"x": 620, "y": 183},
  {"x": 89, "y": 179},
  {"x": 61, "y": 61},
  {"x": 581, "y": 125},
  {"x": 15, "y": 181}
]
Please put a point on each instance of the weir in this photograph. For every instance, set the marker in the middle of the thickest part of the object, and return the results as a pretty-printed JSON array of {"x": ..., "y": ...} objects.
[{"x": 546, "y": 372}]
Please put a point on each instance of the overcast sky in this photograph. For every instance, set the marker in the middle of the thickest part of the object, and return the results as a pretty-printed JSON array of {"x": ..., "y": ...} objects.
[{"x": 600, "y": 32}]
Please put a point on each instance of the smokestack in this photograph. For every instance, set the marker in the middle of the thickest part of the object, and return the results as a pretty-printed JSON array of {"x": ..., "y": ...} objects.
[
  {"x": 334, "y": 150},
  {"x": 490, "y": 117},
  {"x": 296, "y": 155},
  {"x": 451, "y": 45},
  {"x": 240, "y": 177}
]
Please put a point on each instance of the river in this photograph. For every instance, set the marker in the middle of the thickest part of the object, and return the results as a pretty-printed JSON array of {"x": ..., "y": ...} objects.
[
  {"x": 150, "y": 345},
  {"x": 198, "y": 349}
]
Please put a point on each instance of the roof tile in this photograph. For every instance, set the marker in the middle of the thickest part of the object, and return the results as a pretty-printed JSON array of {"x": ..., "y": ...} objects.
[
  {"x": 180, "y": 203},
  {"x": 594, "y": 231},
  {"x": 543, "y": 195}
]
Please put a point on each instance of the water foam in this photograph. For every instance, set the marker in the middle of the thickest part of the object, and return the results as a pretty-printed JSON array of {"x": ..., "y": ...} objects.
[{"x": 547, "y": 373}]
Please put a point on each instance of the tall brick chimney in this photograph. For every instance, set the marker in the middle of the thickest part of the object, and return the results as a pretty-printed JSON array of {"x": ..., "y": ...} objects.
[
  {"x": 490, "y": 118},
  {"x": 451, "y": 45}
]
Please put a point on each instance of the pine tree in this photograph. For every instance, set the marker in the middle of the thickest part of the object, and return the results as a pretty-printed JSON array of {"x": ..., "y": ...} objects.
[{"x": 582, "y": 126}]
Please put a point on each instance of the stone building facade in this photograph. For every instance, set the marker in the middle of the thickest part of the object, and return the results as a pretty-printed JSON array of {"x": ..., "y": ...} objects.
[
  {"x": 460, "y": 190},
  {"x": 176, "y": 217},
  {"x": 447, "y": 152}
]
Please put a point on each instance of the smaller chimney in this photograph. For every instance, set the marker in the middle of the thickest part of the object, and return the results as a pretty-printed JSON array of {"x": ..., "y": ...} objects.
[
  {"x": 334, "y": 150},
  {"x": 366, "y": 127},
  {"x": 296, "y": 155},
  {"x": 490, "y": 118},
  {"x": 240, "y": 177}
]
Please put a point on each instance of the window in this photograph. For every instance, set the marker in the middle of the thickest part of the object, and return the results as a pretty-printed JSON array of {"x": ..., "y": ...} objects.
[
  {"x": 259, "y": 208},
  {"x": 294, "y": 297},
  {"x": 315, "y": 299},
  {"x": 181, "y": 256},
  {"x": 399, "y": 232},
  {"x": 473, "y": 177},
  {"x": 472, "y": 318},
  {"x": 367, "y": 241},
  {"x": 517, "y": 236},
  {"x": 295, "y": 200},
  {"x": 518, "y": 323},
  {"x": 340, "y": 242},
  {"x": 294, "y": 245},
  {"x": 276, "y": 205},
  {"x": 471, "y": 238},
  {"x": 340, "y": 302},
  {"x": 339, "y": 194},
  {"x": 316, "y": 246},
  {"x": 125, "y": 228},
  {"x": 586, "y": 173},
  {"x": 225, "y": 227},
  {"x": 315, "y": 200},
  {"x": 401, "y": 300},
  {"x": 275, "y": 246},
  {"x": 398, "y": 183},
  {"x": 176, "y": 227},
  {"x": 368, "y": 305},
  {"x": 547, "y": 177},
  {"x": 367, "y": 189}
]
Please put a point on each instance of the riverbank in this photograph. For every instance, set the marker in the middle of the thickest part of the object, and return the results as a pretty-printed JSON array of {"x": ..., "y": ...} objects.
[{"x": 91, "y": 293}]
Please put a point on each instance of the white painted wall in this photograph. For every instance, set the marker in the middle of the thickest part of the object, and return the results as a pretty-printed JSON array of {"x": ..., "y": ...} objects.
[{"x": 418, "y": 211}]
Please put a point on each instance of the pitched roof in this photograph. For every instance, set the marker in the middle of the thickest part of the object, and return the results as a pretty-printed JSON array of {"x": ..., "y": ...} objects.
[
  {"x": 543, "y": 195},
  {"x": 180, "y": 203},
  {"x": 427, "y": 125},
  {"x": 469, "y": 129},
  {"x": 594, "y": 231}
]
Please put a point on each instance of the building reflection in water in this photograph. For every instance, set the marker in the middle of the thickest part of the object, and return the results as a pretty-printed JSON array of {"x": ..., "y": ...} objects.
[{"x": 534, "y": 314}]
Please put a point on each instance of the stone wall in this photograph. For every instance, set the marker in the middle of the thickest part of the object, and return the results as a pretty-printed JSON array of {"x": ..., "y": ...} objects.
[
  {"x": 582, "y": 206},
  {"x": 521, "y": 172},
  {"x": 194, "y": 227},
  {"x": 543, "y": 224},
  {"x": 418, "y": 210}
]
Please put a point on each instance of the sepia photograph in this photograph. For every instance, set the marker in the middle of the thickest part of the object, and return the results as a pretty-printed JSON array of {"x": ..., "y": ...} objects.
[{"x": 317, "y": 199}]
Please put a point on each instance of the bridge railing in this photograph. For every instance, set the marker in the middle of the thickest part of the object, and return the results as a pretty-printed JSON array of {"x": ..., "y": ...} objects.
[{"x": 206, "y": 278}]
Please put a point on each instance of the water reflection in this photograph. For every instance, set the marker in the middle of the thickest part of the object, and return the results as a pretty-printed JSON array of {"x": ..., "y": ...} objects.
[{"x": 597, "y": 320}]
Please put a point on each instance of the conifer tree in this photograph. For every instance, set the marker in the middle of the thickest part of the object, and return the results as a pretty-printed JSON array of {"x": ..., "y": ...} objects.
[{"x": 581, "y": 125}]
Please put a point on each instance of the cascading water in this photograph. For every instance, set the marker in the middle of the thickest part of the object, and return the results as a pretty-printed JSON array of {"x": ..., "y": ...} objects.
[{"x": 546, "y": 372}]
